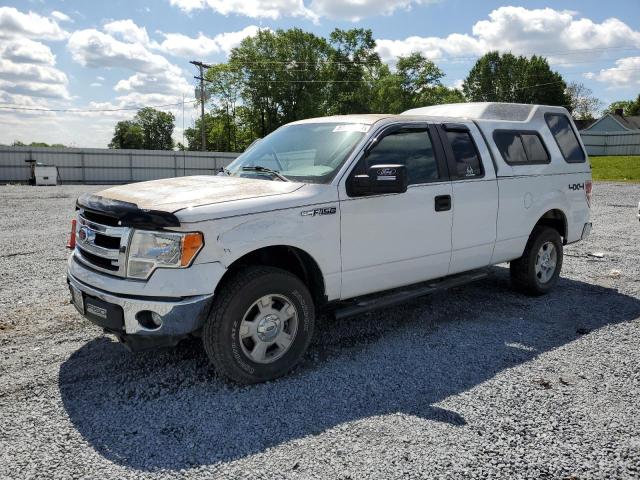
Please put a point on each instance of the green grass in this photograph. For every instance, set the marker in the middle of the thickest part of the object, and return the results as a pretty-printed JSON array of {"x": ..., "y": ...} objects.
[{"x": 620, "y": 169}]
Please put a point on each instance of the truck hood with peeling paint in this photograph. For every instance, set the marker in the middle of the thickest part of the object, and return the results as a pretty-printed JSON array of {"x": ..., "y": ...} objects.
[{"x": 173, "y": 194}]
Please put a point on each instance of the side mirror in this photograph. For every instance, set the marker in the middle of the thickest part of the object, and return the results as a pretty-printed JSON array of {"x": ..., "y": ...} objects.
[{"x": 380, "y": 179}]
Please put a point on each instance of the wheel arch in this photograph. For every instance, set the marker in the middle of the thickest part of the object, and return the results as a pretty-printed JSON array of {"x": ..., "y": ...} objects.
[
  {"x": 287, "y": 257},
  {"x": 554, "y": 218}
]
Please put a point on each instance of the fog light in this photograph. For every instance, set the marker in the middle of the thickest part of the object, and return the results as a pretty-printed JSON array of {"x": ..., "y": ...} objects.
[{"x": 149, "y": 320}]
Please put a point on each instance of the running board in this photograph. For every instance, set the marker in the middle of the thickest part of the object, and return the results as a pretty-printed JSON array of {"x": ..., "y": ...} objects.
[{"x": 400, "y": 295}]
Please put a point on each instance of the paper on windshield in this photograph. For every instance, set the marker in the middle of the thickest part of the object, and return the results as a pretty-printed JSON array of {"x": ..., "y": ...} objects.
[{"x": 352, "y": 127}]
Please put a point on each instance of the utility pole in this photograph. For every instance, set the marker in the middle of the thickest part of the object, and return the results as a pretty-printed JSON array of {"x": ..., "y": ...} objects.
[{"x": 201, "y": 66}]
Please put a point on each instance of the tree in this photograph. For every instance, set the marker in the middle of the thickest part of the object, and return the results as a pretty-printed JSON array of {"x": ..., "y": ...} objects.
[
  {"x": 157, "y": 128},
  {"x": 217, "y": 132},
  {"x": 127, "y": 134},
  {"x": 352, "y": 68},
  {"x": 224, "y": 85},
  {"x": 150, "y": 129},
  {"x": 629, "y": 107},
  {"x": 284, "y": 77},
  {"x": 582, "y": 104},
  {"x": 18, "y": 143},
  {"x": 415, "y": 83},
  {"x": 507, "y": 78}
]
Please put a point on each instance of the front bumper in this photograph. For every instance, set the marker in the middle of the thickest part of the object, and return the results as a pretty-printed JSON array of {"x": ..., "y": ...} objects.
[{"x": 124, "y": 315}]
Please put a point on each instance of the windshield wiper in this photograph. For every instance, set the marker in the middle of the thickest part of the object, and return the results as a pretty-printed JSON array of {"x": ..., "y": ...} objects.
[{"x": 259, "y": 168}]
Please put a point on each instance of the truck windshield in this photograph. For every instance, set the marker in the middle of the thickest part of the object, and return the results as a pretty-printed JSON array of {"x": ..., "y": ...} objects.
[{"x": 308, "y": 152}]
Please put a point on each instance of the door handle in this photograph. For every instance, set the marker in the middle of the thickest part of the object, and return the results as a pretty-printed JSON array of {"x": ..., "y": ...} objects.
[{"x": 443, "y": 203}]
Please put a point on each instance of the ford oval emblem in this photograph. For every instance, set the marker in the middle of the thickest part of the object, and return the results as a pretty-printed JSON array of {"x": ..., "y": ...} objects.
[
  {"x": 86, "y": 235},
  {"x": 386, "y": 171}
]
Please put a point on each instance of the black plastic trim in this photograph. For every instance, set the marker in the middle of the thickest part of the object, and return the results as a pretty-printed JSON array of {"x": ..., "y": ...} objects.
[{"x": 128, "y": 214}]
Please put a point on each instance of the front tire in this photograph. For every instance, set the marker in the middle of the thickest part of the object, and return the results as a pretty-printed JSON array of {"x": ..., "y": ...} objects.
[
  {"x": 538, "y": 270},
  {"x": 260, "y": 325}
]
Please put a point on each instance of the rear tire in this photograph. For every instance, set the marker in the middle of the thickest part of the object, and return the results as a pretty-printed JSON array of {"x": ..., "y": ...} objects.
[
  {"x": 538, "y": 270},
  {"x": 260, "y": 325}
]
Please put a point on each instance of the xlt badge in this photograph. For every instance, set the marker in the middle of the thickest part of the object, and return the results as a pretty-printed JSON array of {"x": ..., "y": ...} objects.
[{"x": 318, "y": 211}]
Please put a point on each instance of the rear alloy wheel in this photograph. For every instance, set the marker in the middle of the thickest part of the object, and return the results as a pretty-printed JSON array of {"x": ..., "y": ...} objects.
[
  {"x": 538, "y": 270},
  {"x": 260, "y": 325}
]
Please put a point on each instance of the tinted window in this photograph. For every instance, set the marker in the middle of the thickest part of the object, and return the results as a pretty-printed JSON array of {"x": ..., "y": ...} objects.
[
  {"x": 407, "y": 147},
  {"x": 520, "y": 147},
  {"x": 534, "y": 148},
  {"x": 465, "y": 153},
  {"x": 511, "y": 147},
  {"x": 565, "y": 137}
]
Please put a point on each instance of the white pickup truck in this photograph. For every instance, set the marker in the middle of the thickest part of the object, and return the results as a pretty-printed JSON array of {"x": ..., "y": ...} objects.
[{"x": 338, "y": 214}]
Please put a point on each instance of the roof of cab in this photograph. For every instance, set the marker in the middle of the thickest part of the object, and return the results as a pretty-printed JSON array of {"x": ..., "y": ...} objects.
[
  {"x": 371, "y": 118},
  {"x": 491, "y": 111},
  {"x": 508, "y": 112},
  {"x": 365, "y": 118}
]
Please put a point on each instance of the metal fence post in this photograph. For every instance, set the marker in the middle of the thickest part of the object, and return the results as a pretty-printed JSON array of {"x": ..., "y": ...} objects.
[
  {"x": 82, "y": 167},
  {"x": 130, "y": 167}
]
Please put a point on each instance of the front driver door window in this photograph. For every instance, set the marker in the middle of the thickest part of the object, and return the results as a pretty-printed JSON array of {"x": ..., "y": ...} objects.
[
  {"x": 410, "y": 147},
  {"x": 397, "y": 239}
]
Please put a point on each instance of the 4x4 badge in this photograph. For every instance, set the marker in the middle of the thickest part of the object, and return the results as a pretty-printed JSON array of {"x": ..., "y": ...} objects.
[{"x": 318, "y": 211}]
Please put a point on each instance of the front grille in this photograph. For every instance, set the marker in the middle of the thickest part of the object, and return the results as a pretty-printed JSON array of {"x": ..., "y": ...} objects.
[
  {"x": 102, "y": 246},
  {"x": 100, "y": 218}
]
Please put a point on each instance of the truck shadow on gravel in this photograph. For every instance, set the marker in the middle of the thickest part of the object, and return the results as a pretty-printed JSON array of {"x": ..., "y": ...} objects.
[{"x": 168, "y": 410}]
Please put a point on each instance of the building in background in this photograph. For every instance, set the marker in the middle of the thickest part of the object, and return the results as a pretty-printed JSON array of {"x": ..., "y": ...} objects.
[{"x": 613, "y": 134}]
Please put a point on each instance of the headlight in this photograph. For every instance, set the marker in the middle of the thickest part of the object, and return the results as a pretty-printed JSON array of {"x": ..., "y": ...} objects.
[{"x": 151, "y": 250}]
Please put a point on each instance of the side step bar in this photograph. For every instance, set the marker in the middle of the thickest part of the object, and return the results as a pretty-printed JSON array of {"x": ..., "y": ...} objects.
[{"x": 400, "y": 295}]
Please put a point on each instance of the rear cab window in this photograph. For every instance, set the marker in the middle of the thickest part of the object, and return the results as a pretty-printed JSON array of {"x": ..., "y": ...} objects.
[
  {"x": 565, "y": 137},
  {"x": 521, "y": 147},
  {"x": 462, "y": 150}
]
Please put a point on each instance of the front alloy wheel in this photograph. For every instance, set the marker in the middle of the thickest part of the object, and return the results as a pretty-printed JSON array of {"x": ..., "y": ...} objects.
[
  {"x": 260, "y": 325},
  {"x": 268, "y": 328}
]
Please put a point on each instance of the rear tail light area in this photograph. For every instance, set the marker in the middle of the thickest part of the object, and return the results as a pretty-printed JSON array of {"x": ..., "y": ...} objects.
[
  {"x": 588, "y": 189},
  {"x": 71, "y": 238}
]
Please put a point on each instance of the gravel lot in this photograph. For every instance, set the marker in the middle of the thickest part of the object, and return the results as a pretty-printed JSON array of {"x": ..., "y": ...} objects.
[{"x": 477, "y": 382}]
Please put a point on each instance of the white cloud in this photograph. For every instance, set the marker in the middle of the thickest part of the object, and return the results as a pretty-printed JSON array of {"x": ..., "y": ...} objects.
[
  {"x": 26, "y": 51},
  {"x": 95, "y": 84},
  {"x": 27, "y": 66},
  {"x": 61, "y": 17},
  {"x": 34, "y": 89},
  {"x": 95, "y": 49},
  {"x": 127, "y": 31},
  {"x": 14, "y": 23},
  {"x": 272, "y": 9},
  {"x": 169, "y": 82},
  {"x": 153, "y": 75},
  {"x": 546, "y": 31},
  {"x": 352, "y": 10},
  {"x": 355, "y": 10},
  {"x": 202, "y": 46},
  {"x": 626, "y": 73},
  {"x": 432, "y": 47}
]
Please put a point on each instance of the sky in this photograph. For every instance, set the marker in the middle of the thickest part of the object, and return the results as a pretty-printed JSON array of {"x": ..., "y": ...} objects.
[{"x": 84, "y": 56}]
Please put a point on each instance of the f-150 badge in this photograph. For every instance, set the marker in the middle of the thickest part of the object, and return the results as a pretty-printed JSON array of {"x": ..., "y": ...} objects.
[{"x": 318, "y": 211}]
